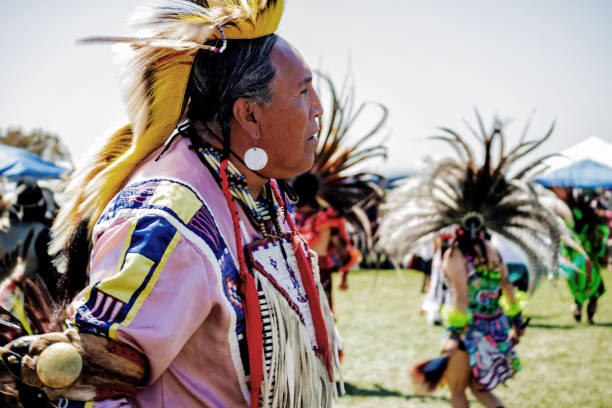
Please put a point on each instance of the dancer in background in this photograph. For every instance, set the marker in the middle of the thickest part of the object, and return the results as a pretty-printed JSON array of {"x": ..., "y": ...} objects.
[
  {"x": 457, "y": 194},
  {"x": 422, "y": 261},
  {"x": 584, "y": 280},
  {"x": 28, "y": 229},
  {"x": 325, "y": 230},
  {"x": 438, "y": 292}
]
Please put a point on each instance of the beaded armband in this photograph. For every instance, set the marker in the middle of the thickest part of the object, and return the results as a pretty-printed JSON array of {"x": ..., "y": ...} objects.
[
  {"x": 456, "y": 321},
  {"x": 454, "y": 332}
]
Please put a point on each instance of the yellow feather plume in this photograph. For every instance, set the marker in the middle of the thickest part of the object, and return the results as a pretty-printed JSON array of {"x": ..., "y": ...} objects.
[
  {"x": 73, "y": 210},
  {"x": 155, "y": 64}
]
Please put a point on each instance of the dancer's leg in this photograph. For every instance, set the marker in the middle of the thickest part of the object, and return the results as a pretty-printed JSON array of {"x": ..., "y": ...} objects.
[
  {"x": 577, "y": 311},
  {"x": 591, "y": 309},
  {"x": 343, "y": 284},
  {"x": 486, "y": 398},
  {"x": 459, "y": 378}
]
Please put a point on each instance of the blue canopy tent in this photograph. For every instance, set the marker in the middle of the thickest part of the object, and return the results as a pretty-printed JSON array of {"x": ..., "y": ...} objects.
[
  {"x": 17, "y": 163},
  {"x": 583, "y": 174}
]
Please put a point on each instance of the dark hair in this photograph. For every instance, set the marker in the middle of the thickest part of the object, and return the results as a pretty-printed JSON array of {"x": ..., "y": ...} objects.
[
  {"x": 243, "y": 70},
  {"x": 465, "y": 242}
]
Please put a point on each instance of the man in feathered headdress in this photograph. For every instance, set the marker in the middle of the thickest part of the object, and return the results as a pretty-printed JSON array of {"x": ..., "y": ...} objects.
[
  {"x": 458, "y": 195},
  {"x": 191, "y": 286}
]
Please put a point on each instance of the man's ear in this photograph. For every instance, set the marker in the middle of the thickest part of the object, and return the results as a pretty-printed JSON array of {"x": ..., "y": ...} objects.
[{"x": 244, "y": 114}]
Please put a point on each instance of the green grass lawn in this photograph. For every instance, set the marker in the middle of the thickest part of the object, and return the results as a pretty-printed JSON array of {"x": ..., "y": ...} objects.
[{"x": 565, "y": 364}]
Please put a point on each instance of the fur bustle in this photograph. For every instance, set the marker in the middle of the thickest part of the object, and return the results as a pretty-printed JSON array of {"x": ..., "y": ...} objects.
[{"x": 510, "y": 205}]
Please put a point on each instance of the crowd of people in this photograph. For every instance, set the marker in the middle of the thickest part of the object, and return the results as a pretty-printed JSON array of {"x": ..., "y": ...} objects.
[{"x": 191, "y": 262}]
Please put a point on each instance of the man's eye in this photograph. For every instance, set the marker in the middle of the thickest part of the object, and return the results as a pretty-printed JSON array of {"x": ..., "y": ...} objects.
[{"x": 304, "y": 91}]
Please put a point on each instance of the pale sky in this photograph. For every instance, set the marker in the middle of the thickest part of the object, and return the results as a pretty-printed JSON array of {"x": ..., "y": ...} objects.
[{"x": 430, "y": 62}]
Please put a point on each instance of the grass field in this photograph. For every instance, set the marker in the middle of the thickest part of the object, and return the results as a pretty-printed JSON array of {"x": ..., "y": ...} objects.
[{"x": 565, "y": 364}]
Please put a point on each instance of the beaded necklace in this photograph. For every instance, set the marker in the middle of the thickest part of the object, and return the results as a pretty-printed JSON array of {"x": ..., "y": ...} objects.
[
  {"x": 263, "y": 210},
  {"x": 258, "y": 209}
]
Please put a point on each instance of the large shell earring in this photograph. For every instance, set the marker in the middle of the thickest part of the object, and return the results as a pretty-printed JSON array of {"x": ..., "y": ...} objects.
[{"x": 255, "y": 158}]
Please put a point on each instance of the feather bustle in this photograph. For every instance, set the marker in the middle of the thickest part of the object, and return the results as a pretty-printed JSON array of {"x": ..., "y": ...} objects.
[{"x": 435, "y": 202}]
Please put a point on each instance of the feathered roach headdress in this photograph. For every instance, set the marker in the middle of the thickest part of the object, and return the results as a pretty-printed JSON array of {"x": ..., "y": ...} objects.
[
  {"x": 335, "y": 179},
  {"x": 456, "y": 192},
  {"x": 155, "y": 68}
]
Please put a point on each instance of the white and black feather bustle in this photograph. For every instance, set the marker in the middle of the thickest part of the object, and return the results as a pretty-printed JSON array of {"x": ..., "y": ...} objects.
[{"x": 436, "y": 201}]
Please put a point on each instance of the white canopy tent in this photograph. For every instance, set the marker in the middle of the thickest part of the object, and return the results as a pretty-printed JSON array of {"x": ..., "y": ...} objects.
[{"x": 592, "y": 148}]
